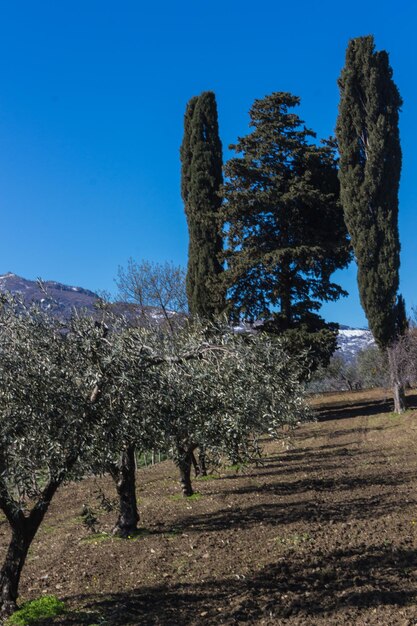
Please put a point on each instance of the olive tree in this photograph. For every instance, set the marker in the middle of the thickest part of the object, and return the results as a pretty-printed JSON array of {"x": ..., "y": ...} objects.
[
  {"x": 134, "y": 398},
  {"x": 201, "y": 385},
  {"x": 52, "y": 379},
  {"x": 153, "y": 382},
  {"x": 238, "y": 388},
  {"x": 153, "y": 293},
  {"x": 263, "y": 392},
  {"x": 131, "y": 394}
]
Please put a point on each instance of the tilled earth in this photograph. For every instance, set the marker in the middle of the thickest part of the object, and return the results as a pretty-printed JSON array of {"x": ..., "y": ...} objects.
[{"x": 321, "y": 533}]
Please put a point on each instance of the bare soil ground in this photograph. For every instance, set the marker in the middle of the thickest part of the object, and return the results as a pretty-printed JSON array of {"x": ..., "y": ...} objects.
[{"x": 323, "y": 533}]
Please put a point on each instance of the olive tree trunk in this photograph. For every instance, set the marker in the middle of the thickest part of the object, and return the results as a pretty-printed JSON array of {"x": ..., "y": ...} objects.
[
  {"x": 12, "y": 568},
  {"x": 200, "y": 468},
  {"x": 124, "y": 476},
  {"x": 24, "y": 529},
  {"x": 195, "y": 465},
  {"x": 184, "y": 462},
  {"x": 396, "y": 382},
  {"x": 202, "y": 461}
]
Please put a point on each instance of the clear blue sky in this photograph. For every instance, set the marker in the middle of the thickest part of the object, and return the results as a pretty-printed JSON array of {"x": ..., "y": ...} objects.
[{"x": 92, "y": 97}]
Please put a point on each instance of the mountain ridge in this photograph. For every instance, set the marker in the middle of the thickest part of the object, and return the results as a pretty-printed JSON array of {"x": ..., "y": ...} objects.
[
  {"x": 55, "y": 296},
  {"x": 64, "y": 298}
]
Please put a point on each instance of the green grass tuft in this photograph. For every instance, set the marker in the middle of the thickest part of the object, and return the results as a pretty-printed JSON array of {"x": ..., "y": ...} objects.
[
  {"x": 195, "y": 496},
  {"x": 294, "y": 541},
  {"x": 32, "y": 612},
  {"x": 97, "y": 538}
]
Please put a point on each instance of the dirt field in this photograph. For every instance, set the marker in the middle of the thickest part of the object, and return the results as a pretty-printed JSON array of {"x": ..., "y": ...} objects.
[{"x": 323, "y": 533}]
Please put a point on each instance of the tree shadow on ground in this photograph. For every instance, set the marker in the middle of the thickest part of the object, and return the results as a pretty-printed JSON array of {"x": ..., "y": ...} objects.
[
  {"x": 323, "y": 458},
  {"x": 360, "y": 408},
  {"x": 341, "y": 483},
  {"x": 306, "y": 510},
  {"x": 325, "y": 452},
  {"x": 340, "y": 585}
]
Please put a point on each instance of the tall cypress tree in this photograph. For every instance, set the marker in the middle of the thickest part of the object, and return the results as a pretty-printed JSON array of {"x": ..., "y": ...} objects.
[
  {"x": 201, "y": 178},
  {"x": 286, "y": 234},
  {"x": 370, "y": 168}
]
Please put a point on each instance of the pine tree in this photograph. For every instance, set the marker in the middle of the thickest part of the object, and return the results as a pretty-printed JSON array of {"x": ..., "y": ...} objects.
[
  {"x": 370, "y": 168},
  {"x": 201, "y": 178},
  {"x": 285, "y": 228}
]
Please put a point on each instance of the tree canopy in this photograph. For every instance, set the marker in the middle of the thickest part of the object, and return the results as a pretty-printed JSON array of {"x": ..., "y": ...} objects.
[{"x": 285, "y": 229}]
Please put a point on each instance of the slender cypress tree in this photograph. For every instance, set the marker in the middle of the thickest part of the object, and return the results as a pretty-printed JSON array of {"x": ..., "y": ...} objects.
[
  {"x": 370, "y": 168},
  {"x": 201, "y": 158},
  {"x": 286, "y": 234}
]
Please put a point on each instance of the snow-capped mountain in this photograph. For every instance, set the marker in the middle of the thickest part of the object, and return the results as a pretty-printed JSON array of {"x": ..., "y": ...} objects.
[
  {"x": 62, "y": 299},
  {"x": 350, "y": 341}
]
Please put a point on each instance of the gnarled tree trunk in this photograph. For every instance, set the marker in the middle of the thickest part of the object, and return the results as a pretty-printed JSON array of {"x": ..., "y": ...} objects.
[
  {"x": 12, "y": 567},
  {"x": 124, "y": 476},
  {"x": 24, "y": 529}
]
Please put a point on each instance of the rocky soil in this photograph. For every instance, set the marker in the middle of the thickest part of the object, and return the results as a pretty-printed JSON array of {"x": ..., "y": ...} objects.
[{"x": 323, "y": 532}]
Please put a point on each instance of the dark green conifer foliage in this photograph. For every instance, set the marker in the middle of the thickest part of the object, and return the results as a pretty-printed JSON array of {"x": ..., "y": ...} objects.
[
  {"x": 201, "y": 158},
  {"x": 285, "y": 233},
  {"x": 185, "y": 150},
  {"x": 370, "y": 167}
]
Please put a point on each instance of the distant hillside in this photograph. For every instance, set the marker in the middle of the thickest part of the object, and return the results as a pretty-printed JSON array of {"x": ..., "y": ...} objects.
[{"x": 62, "y": 298}]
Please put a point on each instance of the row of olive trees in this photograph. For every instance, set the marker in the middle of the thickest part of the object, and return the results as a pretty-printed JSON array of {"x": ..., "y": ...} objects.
[{"x": 83, "y": 396}]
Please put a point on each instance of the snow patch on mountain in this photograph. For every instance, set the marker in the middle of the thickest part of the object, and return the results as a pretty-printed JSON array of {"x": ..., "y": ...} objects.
[{"x": 350, "y": 341}]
